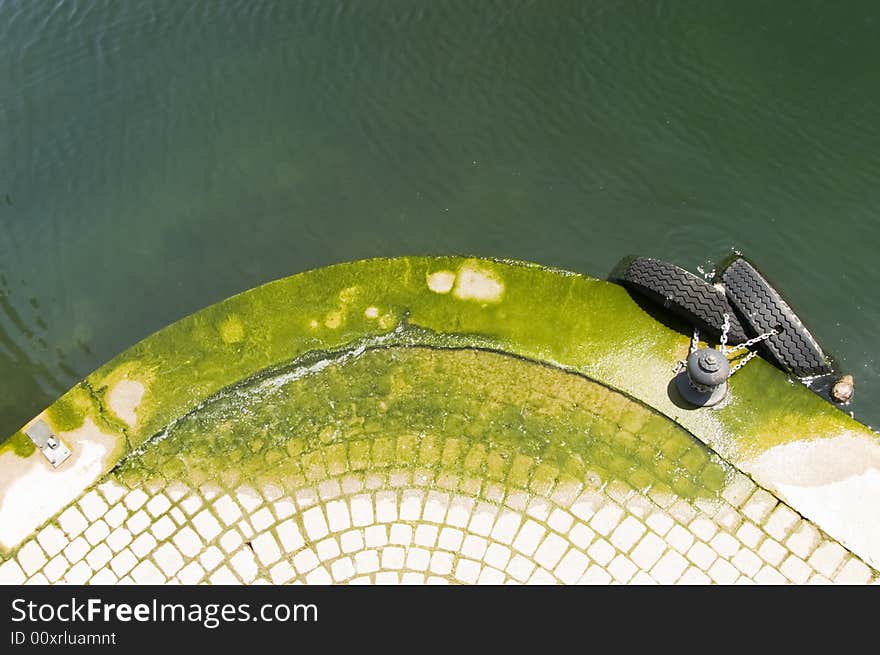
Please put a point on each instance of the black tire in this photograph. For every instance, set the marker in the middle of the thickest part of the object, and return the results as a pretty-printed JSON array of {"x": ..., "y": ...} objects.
[
  {"x": 761, "y": 309},
  {"x": 683, "y": 293}
]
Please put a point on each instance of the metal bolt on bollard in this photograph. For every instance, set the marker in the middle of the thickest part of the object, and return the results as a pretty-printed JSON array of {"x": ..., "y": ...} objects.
[{"x": 704, "y": 381}]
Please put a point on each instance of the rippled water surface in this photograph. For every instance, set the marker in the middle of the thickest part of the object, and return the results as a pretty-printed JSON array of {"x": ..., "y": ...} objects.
[{"x": 158, "y": 156}]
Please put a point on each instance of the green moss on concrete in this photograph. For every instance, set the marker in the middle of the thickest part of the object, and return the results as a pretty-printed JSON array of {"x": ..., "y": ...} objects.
[
  {"x": 406, "y": 406},
  {"x": 574, "y": 322}
]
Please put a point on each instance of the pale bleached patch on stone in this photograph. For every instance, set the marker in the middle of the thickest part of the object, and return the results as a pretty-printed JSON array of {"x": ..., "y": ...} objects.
[
  {"x": 834, "y": 482},
  {"x": 31, "y": 491},
  {"x": 440, "y": 281},
  {"x": 480, "y": 284},
  {"x": 333, "y": 319},
  {"x": 232, "y": 329},
  {"x": 847, "y": 510},
  {"x": 124, "y": 399},
  {"x": 818, "y": 462}
]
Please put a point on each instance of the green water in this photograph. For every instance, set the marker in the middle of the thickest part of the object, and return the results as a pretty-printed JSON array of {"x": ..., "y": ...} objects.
[{"x": 156, "y": 157}]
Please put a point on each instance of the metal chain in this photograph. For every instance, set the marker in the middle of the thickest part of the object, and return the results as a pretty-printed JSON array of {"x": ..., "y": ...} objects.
[
  {"x": 745, "y": 360},
  {"x": 747, "y": 344},
  {"x": 725, "y": 328},
  {"x": 724, "y": 348},
  {"x": 695, "y": 345},
  {"x": 752, "y": 342}
]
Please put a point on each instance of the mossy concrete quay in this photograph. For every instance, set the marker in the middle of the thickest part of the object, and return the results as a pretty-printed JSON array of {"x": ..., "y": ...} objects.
[{"x": 497, "y": 372}]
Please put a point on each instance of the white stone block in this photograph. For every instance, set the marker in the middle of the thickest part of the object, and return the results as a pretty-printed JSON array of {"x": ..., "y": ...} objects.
[
  {"x": 648, "y": 551},
  {"x": 780, "y": 522},
  {"x": 351, "y": 541},
  {"x": 724, "y": 544},
  {"x": 168, "y": 558},
  {"x": 338, "y": 517},
  {"x": 702, "y": 556},
  {"x": 490, "y": 576},
  {"x": 147, "y": 573},
  {"x": 747, "y": 562},
  {"x": 528, "y": 538},
  {"x": 418, "y": 559},
  {"x": 158, "y": 505},
  {"x": 289, "y": 536},
  {"x": 244, "y": 564},
  {"x": 853, "y": 572},
  {"x": 669, "y": 568},
  {"x": 483, "y": 519},
  {"x": 401, "y": 534},
  {"x": 723, "y": 572},
  {"x": 827, "y": 558},
  {"x": 224, "y": 576},
  {"x": 571, "y": 567},
  {"x": 342, "y": 569},
  {"x": 376, "y": 536},
  {"x": 520, "y": 568},
  {"x": 441, "y": 562},
  {"x": 118, "y": 539},
  {"x": 411, "y": 505},
  {"x": 426, "y": 535},
  {"x": 702, "y": 528},
  {"x": 138, "y": 522},
  {"x": 362, "y": 510},
  {"x": 206, "y": 525},
  {"x": 386, "y": 506},
  {"x": 266, "y": 548},
  {"x": 74, "y": 551},
  {"x": 460, "y": 510},
  {"x": 163, "y": 528},
  {"x": 103, "y": 577},
  {"x": 393, "y": 557},
  {"x": 467, "y": 571},
  {"x": 367, "y": 561},
  {"x": 601, "y": 552},
  {"x": 769, "y": 575},
  {"x": 772, "y": 552},
  {"x": 508, "y": 523},
  {"x": 143, "y": 545},
  {"x": 52, "y": 540},
  {"x": 627, "y": 533},
  {"x": 135, "y": 499},
  {"x": 680, "y": 538},
  {"x": 559, "y": 520},
  {"x": 596, "y": 575},
  {"x": 56, "y": 568},
  {"x": 581, "y": 535},
  {"x": 436, "y": 506},
  {"x": 759, "y": 506},
  {"x": 72, "y": 522},
  {"x": 93, "y": 505},
  {"x": 474, "y": 547},
  {"x": 210, "y": 558},
  {"x": 284, "y": 507},
  {"x": 191, "y": 574},
  {"x": 551, "y": 551},
  {"x": 328, "y": 549},
  {"x": 606, "y": 519},
  {"x": 660, "y": 522},
  {"x": 79, "y": 574},
  {"x": 622, "y": 569},
  {"x": 750, "y": 535}
]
